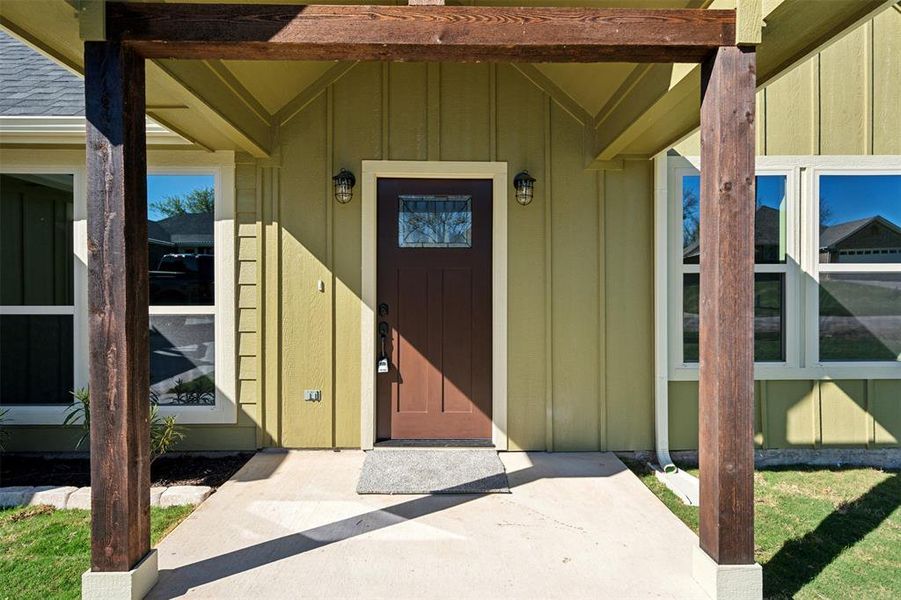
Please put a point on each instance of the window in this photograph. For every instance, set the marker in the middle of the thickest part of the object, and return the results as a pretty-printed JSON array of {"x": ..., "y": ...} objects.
[
  {"x": 771, "y": 268},
  {"x": 434, "y": 222},
  {"x": 827, "y": 273},
  {"x": 181, "y": 247},
  {"x": 37, "y": 298},
  {"x": 859, "y": 267},
  {"x": 44, "y": 280}
]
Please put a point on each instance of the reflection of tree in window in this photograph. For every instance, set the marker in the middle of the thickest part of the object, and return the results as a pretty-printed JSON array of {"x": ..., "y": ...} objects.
[
  {"x": 181, "y": 246},
  {"x": 691, "y": 222},
  {"x": 435, "y": 221}
]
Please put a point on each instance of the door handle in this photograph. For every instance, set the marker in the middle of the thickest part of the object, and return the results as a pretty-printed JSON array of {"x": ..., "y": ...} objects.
[{"x": 382, "y": 365}]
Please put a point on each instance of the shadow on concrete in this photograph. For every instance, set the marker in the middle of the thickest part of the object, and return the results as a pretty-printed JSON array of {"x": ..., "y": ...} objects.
[{"x": 176, "y": 582}]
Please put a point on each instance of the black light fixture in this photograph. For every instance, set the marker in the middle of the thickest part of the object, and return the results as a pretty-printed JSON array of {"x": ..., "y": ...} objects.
[
  {"x": 525, "y": 186},
  {"x": 344, "y": 183}
]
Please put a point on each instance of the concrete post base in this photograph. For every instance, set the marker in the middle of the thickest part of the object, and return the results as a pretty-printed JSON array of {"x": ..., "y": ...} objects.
[
  {"x": 121, "y": 585},
  {"x": 727, "y": 582}
]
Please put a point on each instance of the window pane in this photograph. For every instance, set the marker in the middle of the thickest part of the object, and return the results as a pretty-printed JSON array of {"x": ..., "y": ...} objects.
[
  {"x": 860, "y": 219},
  {"x": 36, "y": 240},
  {"x": 860, "y": 316},
  {"x": 36, "y": 355},
  {"x": 182, "y": 359},
  {"x": 435, "y": 222},
  {"x": 769, "y": 317},
  {"x": 180, "y": 236},
  {"x": 769, "y": 220}
]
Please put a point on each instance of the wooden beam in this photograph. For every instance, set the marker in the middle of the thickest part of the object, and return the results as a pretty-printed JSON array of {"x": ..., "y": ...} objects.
[
  {"x": 726, "y": 410},
  {"x": 117, "y": 306},
  {"x": 421, "y": 33}
]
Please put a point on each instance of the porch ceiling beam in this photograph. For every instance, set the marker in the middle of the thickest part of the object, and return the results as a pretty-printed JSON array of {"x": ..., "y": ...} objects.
[{"x": 420, "y": 33}]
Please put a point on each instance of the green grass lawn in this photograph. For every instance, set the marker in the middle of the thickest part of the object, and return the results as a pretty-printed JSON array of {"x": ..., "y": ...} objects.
[
  {"x": 819, "y": 533},
  {"x": 43, "y": 551}
]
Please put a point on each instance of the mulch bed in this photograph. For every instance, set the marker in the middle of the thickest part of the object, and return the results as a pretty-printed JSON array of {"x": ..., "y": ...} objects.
[{"x": 175, "y": 469}]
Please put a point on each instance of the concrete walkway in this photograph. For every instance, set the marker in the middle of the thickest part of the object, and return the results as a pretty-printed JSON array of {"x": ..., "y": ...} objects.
[{"x": 290, "y": 525}]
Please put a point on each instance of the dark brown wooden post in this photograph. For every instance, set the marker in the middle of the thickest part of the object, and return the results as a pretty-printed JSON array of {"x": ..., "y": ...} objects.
[
  {"x": 726, "y": 443},
  {"x": 117, "y": 301}
]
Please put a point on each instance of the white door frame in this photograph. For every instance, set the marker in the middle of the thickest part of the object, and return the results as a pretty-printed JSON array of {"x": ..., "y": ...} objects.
[{"x": 497, "y": 172}]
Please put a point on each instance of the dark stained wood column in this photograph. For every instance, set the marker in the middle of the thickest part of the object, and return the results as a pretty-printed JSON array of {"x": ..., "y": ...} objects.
[
  {"x": 726, "y": 443},
  {"x": 117, "y": 302}
]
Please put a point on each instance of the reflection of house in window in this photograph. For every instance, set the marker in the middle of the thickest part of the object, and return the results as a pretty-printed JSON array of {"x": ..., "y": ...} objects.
[
  {"x": 187, "y": 233},
  {"x": 181, "y": 259},
  {"x": 767, "y": 242},
  {"x": 870, "y": 240}
]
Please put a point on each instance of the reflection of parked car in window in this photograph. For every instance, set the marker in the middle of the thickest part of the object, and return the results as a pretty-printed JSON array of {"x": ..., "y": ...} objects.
[{"x": 182, "y": 279}]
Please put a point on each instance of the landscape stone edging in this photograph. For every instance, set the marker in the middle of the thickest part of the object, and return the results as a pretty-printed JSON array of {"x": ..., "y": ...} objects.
[{"x": 64, "y": 497}]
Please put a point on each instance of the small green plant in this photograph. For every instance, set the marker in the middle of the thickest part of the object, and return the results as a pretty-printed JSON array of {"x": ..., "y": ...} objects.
[
  {"x": 164, "y": 431},
  {"x": 3, "y": 432}
]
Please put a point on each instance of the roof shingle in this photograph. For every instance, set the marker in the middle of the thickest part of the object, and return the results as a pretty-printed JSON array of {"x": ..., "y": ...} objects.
[{"x": 33, "y": 85}]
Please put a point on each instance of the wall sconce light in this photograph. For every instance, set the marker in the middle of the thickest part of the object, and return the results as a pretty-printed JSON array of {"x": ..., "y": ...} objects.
[
  {"x": 525, "y": 186},
  {"x": 344, "y": 183}
]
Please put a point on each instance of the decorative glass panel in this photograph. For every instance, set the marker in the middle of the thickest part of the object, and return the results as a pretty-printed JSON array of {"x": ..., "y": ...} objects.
[
  {"x": 769, "y": 317},
  {"x": 769, "y": 220},
  {"x": 180, "y": 214},
  {"x": 860, "y": 219},
  {"x": 36, "y": 360},
  {"x": 860, "y": 316},
  {"x": 182, "y": 359},
  {"x": 435, "y": 222},
  {"x": 36, "y": 240}
]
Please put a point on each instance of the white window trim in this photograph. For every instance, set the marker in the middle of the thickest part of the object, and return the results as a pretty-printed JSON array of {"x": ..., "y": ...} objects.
[
  {"x": 221, "y": 166},
  {"x": 802, "y": 267}
]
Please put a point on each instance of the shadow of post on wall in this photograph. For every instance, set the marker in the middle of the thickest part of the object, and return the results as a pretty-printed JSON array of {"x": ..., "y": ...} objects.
[{"x": 800, "y": 560}]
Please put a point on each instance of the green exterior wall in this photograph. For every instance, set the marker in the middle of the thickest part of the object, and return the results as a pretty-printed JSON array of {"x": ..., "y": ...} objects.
[
  {"x": 842, "y": 101},
  {"x": 580, "y": 258},
  {"x": 804, "y": 414},
  {"x": 573, "y": 314}
]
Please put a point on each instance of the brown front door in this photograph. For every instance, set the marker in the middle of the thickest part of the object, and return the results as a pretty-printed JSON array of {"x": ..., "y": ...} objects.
[{"x": 434, "y": 294}]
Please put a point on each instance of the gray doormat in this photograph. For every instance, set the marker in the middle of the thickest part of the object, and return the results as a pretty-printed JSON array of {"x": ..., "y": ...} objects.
[{"x": 432, "y": 471}]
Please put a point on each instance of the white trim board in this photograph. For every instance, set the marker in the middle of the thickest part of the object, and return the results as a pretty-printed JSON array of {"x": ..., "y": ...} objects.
[{"x": 497, "y": 172}]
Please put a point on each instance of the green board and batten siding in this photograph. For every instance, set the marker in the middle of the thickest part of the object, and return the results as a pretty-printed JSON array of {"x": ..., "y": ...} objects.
[
  {"x": 580, "y": 257},
  {"x": 563, "y": 317},
  {"x": 842, "y": 101}
]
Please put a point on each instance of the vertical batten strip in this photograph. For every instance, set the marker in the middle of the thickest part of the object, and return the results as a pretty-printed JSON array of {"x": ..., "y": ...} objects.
[
  {"x": 433, "y": 126},
  {"x": 549, "y": 279},
  {"x": 386, "y": 108},
  {"x": 263, "y": 437},
  {"x": 492, "y": 112},
  {"x": 601, "y": 193},
  {"x": 330, "y": 254}
]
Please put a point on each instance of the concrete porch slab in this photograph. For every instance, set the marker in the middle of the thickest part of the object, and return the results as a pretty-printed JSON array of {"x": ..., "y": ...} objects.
[{"x": 290, "y": 525}]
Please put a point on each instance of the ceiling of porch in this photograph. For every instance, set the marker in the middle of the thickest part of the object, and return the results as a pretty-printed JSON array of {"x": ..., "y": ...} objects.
[{"x": 631, "y": 109}]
